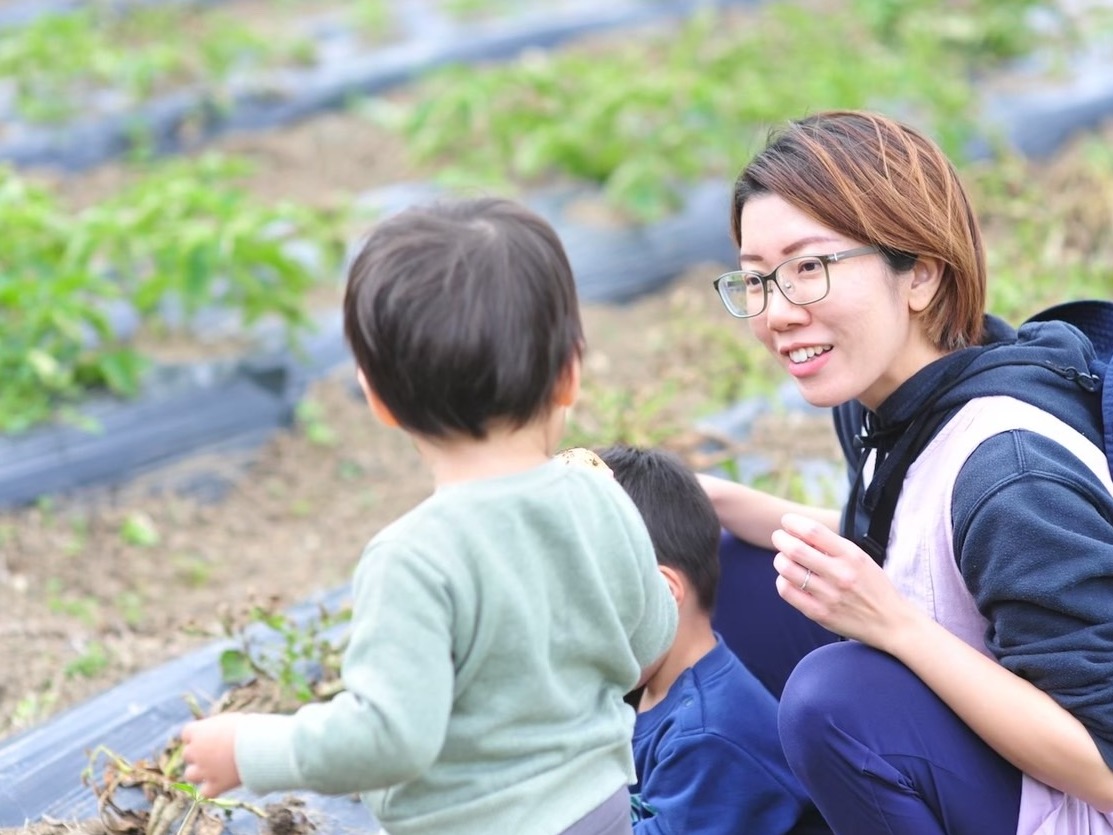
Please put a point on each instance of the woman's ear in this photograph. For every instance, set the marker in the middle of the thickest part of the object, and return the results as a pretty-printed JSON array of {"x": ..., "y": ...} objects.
[
  {"x": 378, "y": 408},
  {"x": 927, "y": 275},
  {"x": 568, "y": 386}
]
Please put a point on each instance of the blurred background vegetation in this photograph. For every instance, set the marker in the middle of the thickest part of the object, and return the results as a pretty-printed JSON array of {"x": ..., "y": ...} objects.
[{"x": 641, "y": 117}]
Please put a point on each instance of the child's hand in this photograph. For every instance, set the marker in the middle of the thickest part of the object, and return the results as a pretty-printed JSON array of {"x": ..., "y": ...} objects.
[{"x": 209, "y": 753}]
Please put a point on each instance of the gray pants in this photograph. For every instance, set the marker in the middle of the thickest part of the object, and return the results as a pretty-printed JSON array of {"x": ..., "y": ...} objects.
[{"x": 612, "y": 817}]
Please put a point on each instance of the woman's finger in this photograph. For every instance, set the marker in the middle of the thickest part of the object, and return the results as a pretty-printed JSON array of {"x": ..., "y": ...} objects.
[
  {"x": 818, "y": 536},
  {"x": 793, "y": 572},
  {"x": 801, "y": 552}
]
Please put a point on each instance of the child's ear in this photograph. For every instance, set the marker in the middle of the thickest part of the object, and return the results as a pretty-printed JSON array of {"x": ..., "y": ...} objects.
[
  {"x": 378, "y": 408},
  {"x": 676, "y": 584},
  {"x": 568, "y": 386}
]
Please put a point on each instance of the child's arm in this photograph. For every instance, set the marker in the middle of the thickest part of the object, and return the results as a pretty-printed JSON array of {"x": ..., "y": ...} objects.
[
  {"x": 653, "y": 636},
  {"x": 385, "y": 728}
]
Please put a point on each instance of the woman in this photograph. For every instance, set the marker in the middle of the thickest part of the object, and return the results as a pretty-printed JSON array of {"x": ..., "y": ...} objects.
[{"x": 977, "y": 693}]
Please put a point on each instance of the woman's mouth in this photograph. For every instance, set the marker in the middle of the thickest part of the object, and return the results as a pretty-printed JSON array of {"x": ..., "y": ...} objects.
[{"x": 799, "y": 355}]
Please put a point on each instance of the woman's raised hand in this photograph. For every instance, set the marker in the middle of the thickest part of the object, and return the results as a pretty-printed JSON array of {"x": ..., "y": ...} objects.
[{"x": 836, "y": 584}]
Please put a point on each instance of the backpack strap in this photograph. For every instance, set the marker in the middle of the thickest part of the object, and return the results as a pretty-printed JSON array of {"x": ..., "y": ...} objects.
[{"x": 875, "y": 541}]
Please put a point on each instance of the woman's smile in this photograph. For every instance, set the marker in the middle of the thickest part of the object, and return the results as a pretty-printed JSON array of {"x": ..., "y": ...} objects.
[{"x": 799, "y": 356}]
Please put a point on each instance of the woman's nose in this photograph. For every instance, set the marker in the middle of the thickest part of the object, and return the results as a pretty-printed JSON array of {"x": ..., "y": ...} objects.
[{"x": 779, "y": 311}]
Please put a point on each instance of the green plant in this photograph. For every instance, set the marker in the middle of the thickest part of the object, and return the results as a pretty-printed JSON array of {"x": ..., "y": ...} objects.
[
  {"x": 667, "y": 108},
  {"x": 86, "y": 609},
  {"x": 130, "y": 605},
  {"x": 301, "y": 508},
  {"x": 303, "y": 658},
  {"x": 980, "y": 30},
  {"x": 310, "y": 416},
  {"x": 32, "y": 707},
  {"x": 192, "y": 569},
  {"x": 139, "y": 529},
  {"x": 472, "y": 8},
  {"x": 185, "y": 236},
  {"x": 1047, "y": 237},
  {"x": 373, "y": 17},
  {"x": 60, "y": 59},
  {"x": 637, "y": 415},
  {"x": 189, "y": 232},
  {"x": 732, "y": 364},
  {"x": 346, "y": 469},
  {"x": 58, "y": 341},
  {"x": 79, "y": 536},
  {"x": 92, "y": 661}
]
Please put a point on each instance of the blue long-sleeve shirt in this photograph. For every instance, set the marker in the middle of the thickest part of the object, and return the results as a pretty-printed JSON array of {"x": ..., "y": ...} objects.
[{"x": 709, "y": 759}]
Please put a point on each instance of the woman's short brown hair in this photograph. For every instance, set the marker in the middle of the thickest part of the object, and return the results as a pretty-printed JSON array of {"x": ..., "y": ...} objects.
[{"x": 881, "y": 182}]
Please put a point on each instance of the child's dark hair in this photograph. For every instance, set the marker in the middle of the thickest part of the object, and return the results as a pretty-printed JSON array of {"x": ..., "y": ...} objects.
[
  {"x": 462, "y": 314},
  {"x": 681, "y": 520}
]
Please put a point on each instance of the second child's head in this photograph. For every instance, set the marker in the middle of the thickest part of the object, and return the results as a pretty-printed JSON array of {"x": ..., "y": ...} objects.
[
  {"x": 462, "y": 315},
  {"x": 681, "y": 520}
]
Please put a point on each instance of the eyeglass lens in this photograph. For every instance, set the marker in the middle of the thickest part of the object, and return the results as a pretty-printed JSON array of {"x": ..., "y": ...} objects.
[{"x": 802, "y": 280}]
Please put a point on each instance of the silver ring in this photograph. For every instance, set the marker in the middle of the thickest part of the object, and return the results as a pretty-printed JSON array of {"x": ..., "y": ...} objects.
[{"x": 807, "y": 577}]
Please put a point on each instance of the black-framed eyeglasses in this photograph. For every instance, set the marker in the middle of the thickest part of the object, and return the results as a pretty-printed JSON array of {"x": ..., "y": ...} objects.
[{"x": 802, "y": 280}]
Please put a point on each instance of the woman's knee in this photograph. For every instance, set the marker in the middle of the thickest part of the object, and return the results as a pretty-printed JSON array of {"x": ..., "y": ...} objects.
[
  {"x": 831, "y": 692},
  {"x": 871, "y": 742}
]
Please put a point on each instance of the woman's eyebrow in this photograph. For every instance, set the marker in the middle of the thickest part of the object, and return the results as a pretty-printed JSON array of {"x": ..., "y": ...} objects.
[{"x": 792, "y": 248}]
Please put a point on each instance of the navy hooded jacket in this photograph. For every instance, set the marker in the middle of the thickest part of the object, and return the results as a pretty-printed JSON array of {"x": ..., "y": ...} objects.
[{"x": 1033, "y": 526}]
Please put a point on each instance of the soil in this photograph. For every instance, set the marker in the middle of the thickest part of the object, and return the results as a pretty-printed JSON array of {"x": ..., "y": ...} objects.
[{"x": 82, "y": 608}]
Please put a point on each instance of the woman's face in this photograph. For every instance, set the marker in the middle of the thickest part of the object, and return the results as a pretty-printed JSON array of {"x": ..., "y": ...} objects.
[{"x": 859, "y": 342}]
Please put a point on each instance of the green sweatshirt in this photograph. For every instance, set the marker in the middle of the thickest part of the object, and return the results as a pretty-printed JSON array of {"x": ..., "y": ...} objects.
[{"x": 495, "y": 630}]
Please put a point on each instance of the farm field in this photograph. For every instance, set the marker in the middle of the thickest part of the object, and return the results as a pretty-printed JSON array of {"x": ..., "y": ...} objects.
[{"x": 102, "y": 584}]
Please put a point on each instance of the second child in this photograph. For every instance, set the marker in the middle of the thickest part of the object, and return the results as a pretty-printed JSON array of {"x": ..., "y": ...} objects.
[{"x": 708, "y": 757}]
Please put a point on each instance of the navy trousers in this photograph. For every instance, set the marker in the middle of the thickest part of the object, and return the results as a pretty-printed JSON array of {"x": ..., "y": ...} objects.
[{"x": 876, "y": 750}]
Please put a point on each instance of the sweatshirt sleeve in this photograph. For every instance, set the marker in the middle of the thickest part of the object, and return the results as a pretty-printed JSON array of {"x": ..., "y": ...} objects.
[
  {"x": 655, "y": 632},
  {"x": 654, "y": 629},
  {"x": 1033, "y": 531},
  {"x": 389, "y": 723}
]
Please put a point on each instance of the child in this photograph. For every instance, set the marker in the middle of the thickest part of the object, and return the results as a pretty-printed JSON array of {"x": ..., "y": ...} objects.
[
  {"x": 497, "y": 625},
  {"x": 705, "y": 743}
]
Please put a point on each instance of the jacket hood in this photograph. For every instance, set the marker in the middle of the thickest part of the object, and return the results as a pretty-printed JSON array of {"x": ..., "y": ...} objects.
[{"x": 1046, "y": 364}]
